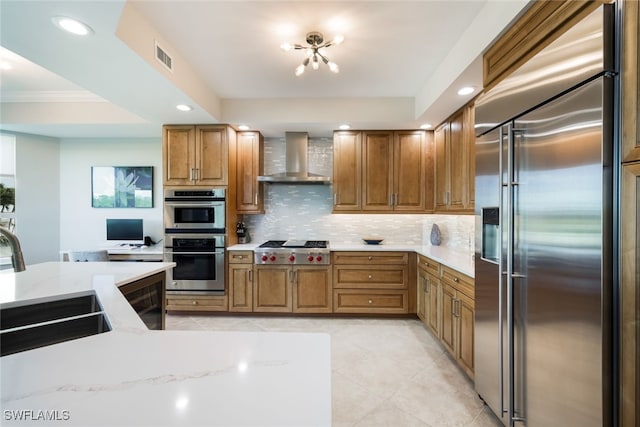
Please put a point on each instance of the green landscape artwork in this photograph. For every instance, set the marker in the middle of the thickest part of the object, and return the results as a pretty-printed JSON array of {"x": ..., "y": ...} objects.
[{"x": 122, "y": 186}]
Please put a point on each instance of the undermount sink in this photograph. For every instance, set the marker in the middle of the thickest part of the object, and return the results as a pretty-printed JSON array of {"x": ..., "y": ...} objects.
[{"x": 31, "y": 325}]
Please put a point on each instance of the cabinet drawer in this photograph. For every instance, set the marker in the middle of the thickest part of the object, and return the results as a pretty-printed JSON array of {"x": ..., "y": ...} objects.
[
  {"x": 460, "y": 281},
  {"x": 429, "y": 265},
  {"x": 370, "y": 301},
  {"x": 240, "y": 257},
  {"x": 374, "y": 276},
  {"x": 370, "y": 258},
  {"x": 196, "y": 303}
]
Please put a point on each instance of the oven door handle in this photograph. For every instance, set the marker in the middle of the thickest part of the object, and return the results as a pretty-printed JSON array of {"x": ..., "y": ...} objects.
[
  {"x": 206, "y": 203},
  {"x": 193, "y": 253}
]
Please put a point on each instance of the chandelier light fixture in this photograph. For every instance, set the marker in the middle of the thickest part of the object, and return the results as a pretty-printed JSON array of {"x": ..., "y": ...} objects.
[{"x": 314, "y": 55}]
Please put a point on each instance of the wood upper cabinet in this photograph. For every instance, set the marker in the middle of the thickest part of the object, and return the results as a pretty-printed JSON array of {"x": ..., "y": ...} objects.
[
  {"x": 382, "y": 171},
  {"x": 195, "y": 155},
  {"x": 347, "y": 171},
  {"x": 454, "y": 142},
  {"x": 249, "y": 165},
  {"x": 377, "y": 170}
]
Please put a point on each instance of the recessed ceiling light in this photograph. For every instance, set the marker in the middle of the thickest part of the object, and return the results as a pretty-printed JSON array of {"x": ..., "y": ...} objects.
[
  {"x": 467, "y": 90},
  {"x": 71, "y": 25},
  {"x": 243, "y": 127},
  {"x": 425, "y": 126},
  {"x": 184, "y": 107},
  {"x": 345, "y": 127}
]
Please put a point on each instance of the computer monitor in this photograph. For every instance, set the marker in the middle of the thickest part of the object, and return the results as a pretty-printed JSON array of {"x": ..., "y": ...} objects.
[{"x": 125, "y": 231}]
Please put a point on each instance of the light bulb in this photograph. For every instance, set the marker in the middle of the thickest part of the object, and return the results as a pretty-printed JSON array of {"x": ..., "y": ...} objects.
[
  {"x": 315, "y": 63},
  {"x": 299, "y": 70},
  {"x": 286, "y": 47},
  {"x": 338, "y": 39},
  {"x": 333, "y": 67}
]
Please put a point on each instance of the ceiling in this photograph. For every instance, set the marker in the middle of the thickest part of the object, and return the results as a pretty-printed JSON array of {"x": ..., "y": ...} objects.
[{"x": 401, "y": 64}]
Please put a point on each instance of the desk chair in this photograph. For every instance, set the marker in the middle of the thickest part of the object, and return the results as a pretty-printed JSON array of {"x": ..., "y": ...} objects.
[{"x": 84, "y": 256}]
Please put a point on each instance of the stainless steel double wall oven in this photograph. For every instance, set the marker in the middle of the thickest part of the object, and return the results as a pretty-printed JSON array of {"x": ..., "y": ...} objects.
[{"x": 194, "y": 223}]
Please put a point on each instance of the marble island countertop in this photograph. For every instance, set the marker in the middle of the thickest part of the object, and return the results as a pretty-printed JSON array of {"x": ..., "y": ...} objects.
[
  {"x": 132, "y": 376},
  {"x": 459, "y": 260}
]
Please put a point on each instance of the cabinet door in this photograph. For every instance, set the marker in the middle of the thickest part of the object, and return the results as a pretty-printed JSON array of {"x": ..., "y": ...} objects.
[
  {"x": 423, "y": 296},
  {"x": 249, "y": 151},
  {"x": 434, "y": 311},
  {"x": 178, "y": 154},
  {"x": 458, "y": 173},
  {"x": 377, "y": 170},
  {"x": 312, "y": 291},
  {"x": 240, "y": 287},
  {"x": 465, "y": 315},
  {"x": 449, "y": 327},
  {"x": 212, "y": 155},
  {"x": 347, "y": 171},
  {"x": 272, "y": 292},
  {"x": 441, "y": 166},
  {"x": 409, "y": 171}
]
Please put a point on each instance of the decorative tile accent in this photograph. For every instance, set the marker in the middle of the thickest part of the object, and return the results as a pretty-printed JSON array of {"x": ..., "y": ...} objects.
[{"x": 303, "y": 211}]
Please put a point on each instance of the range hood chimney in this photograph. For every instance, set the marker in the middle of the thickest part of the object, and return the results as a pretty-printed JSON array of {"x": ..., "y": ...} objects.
[{"x": 297, "y": 144}]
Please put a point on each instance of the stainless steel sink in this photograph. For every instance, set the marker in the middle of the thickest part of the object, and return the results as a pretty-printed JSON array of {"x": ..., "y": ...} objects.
[{"x": 32, "y": 325}]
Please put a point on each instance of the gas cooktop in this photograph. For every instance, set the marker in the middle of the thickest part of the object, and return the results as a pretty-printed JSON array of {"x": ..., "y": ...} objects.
[
  {"x": 295, "y": 244},
  {"x": 309, "y": 252}
]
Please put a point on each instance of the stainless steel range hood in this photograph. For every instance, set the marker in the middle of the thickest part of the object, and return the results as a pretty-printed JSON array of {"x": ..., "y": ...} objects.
[{"x": 296, "y": 160}]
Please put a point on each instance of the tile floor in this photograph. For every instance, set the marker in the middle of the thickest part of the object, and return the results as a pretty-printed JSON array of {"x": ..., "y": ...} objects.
[{"x": 385, "y": 372}]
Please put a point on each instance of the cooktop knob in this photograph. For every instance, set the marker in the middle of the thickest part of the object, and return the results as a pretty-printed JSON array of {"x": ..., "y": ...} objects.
[
  {"x": 272, "y": 257},
  {"x": 310, "y": 258},
  {"x": 292, "y": 258},
  {"x": 264, "y": 257},
  {"x": 319, "y": 258}
]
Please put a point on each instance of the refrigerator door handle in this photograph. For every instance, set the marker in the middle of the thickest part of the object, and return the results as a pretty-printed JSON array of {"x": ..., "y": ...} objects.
[
  {"x": 501, "y": 269},
  {"x": 509, "y": 284}
]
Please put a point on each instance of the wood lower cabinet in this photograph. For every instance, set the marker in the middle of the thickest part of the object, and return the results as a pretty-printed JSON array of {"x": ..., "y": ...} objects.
[
  {"x": 195, "y": 155},
  {"x": 371, "y": 282},
  {"x": 240, "y": 281},
  {"x": 287, "y": 289},
  {"x": 447, "y": 308},
  {"x": 180, "y": 302},
  {"x": 458, "y": 318},
  {"x": 429, "y": 290}
]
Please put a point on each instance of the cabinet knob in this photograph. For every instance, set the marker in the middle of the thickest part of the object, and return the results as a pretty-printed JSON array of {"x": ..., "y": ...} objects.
[
  {"x": 455, "y": 279},
  {"x": 370, "y": 277},
  {"x": 370, "y": 301},
  {"x": 370, "y": 257},
  {"x": 194, "y": 302}
]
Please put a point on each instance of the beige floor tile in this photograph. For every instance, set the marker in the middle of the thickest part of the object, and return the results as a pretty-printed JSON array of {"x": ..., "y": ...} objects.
[{"x": 385, "y": 372}]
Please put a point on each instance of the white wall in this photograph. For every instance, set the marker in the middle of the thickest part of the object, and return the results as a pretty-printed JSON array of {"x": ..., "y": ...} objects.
[
  {"x": 37, "y": 197},
  {"x": 82, "y": 226}
]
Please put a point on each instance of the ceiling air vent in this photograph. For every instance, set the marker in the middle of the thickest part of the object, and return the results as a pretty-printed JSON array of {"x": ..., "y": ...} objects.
[{"x": 164, "y": 57}]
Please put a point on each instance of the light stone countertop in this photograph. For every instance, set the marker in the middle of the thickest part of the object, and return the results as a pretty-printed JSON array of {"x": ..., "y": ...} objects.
[
  {"x": 459, "y": 260},
  {"x": 132, "y": 376}
]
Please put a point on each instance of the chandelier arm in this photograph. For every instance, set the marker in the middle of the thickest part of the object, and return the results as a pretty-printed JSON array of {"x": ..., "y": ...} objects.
[{"x": 324, "y": 58}]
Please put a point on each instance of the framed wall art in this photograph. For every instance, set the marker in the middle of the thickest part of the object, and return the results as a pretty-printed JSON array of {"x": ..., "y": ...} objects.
[{"x": 122, "y": 186}]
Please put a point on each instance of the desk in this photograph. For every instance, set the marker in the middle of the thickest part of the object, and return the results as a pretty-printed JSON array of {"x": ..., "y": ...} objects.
[{"x": 128, "y": 253}]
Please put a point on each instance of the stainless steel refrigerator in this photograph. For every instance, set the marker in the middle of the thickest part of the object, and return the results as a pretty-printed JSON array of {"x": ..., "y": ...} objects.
[{"x": 544, "y": 233}]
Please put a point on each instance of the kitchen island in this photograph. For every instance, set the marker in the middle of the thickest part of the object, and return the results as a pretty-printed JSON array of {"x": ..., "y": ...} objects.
[{"x": 133, "y": 376}]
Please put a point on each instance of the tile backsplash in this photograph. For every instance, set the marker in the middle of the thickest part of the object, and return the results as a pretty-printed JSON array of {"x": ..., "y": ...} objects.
[{"x": 303, "y": 211}]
